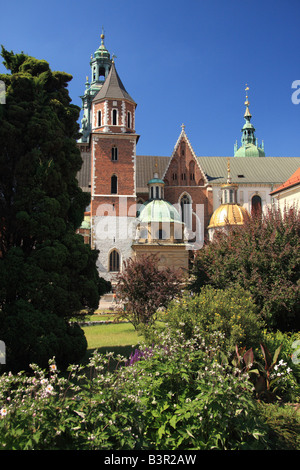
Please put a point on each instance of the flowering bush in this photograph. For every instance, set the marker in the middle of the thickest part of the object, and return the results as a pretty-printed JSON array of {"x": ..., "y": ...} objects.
[
  {"x": 262, "y": 256},
  {"x": 285, "y": 377},
  {"x": 178, "y": 397},
  {"x": 231, "y": 311}
]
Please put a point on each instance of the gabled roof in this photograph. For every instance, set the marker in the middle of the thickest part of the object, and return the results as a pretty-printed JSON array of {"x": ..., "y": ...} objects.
[
  {"x": 183, "y": 137},
  {"x": 294, "y": 180},
  {"x": 113, "y": 87},
  {"x": 267, "y": 170}
]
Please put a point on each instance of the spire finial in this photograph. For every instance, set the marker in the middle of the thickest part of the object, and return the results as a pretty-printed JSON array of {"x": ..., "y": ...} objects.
[
  {"x": 247, "y": 101},
  {"x": 182, "y": 126},
  {"x": 247, "y": 114},
  {"x": 102, "y": 36},
  {"x": 228, "y": 171}
]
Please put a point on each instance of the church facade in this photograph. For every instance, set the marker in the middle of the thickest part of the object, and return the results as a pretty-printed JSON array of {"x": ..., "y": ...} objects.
[{"x": 159, "y": 204}]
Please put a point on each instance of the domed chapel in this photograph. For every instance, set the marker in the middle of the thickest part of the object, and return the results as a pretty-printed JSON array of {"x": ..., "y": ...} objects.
[{"x": 167, "y": 205}]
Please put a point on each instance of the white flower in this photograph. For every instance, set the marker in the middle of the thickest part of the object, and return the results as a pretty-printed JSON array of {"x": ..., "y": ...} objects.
[
  {"x": 3, "y": 412},
  {"x": 49, "y": 388}
]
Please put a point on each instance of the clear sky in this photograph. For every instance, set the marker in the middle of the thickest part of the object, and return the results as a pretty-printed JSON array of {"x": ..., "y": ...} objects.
[{"x": 182, "y": 61}]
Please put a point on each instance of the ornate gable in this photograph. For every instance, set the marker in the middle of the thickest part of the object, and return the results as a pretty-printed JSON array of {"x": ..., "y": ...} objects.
[{"x": 183, "y": 168}]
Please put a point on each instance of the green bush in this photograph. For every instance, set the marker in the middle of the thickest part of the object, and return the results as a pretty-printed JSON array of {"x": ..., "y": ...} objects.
[
  {"x": 175, "y": 396},
  {"x": 286, "y": 373},
  {"x": 231, "y": 311},
  {"x": 284, "y": 426}
]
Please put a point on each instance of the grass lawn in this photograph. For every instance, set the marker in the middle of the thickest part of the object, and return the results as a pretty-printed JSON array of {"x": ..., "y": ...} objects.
[{"x": 120, "y": 338}]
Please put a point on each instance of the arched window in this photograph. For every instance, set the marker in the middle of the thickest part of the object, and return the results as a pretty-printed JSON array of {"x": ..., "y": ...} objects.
[
  {"x": 185, "y": 205},
  {"x": 101, "y": 73},
  {"x": 256, "y": 205},
  {"x": 114, "y": 184},
  {"x": 114, "y": 153},
  {"x": 99, "y": 119},
  {"x": 115, "y": 117},
  {"x": 114, "y": 261}
]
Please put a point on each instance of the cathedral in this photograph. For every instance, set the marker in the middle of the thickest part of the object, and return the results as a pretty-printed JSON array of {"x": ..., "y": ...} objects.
[{"x": 165, "y": 205}]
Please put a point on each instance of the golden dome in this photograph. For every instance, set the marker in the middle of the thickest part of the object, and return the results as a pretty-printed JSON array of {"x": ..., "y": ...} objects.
[{"x": 228, "y": 214}]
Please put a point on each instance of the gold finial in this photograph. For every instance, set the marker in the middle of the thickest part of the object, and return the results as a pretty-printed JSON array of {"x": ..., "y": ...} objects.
[
  {"x": 228, "y": 171},
  {"x": 102, "y": 34},
  {"x": 246, "y": 90}
]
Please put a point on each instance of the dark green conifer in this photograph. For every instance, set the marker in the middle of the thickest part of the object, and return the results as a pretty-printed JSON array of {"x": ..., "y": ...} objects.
[{"x": 47, "y": 273}]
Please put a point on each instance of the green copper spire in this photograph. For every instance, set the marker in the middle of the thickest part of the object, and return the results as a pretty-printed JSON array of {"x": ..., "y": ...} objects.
[
  {"x": 249, "y": 147},
  {"x": 100, "y": 66}
]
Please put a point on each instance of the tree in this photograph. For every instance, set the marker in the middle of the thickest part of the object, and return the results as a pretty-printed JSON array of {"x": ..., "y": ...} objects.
[
  {"x": 142, "y": 288},
  {"x": 263, "y": 257},
  {"x": 47, "y": 273}
]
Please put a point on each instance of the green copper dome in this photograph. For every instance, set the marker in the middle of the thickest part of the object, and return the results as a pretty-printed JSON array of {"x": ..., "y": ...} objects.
[
  {"x": 156, "y": 181},
  {"x": 249, "y": 150},
  {"x": 158, "y": 210}
]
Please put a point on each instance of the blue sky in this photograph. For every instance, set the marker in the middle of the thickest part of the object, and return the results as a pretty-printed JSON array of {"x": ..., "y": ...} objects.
[{"x": 181, "y": 61}]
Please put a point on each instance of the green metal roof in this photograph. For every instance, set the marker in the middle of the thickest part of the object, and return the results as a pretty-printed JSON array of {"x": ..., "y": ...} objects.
[
  {"x": 248, "y": 170},
  {"x": 158, "y": 210},
  {"x": 268, "y": 170}
]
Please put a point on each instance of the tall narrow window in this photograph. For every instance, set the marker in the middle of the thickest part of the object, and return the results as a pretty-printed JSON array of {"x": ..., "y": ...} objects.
[
  {"x": 114, "y": 261},
  {"x": 115, "y": 117},
  {"x": 186, "y": 210},
  {"x": 114, "y": 154},
  {"x": 128, "y": 119},
  {"x": 256, "y": 206},
  {"x": 102, "y": 74},
  {"x": 114, "y": 184},
  {"x": 99, "y": 119}
]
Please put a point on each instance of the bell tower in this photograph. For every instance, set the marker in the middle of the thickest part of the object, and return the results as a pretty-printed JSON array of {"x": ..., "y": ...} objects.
[
  {"x": 113, "y": 142},
  {"x": 100, "y": 64}
]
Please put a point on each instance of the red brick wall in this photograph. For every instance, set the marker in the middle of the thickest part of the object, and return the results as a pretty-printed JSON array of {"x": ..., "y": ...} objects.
[{"x": 103, "y": 167}]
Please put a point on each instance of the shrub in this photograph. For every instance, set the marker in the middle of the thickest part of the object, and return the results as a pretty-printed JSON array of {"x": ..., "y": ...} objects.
[
  {"x": 231, "y": 311},
  {"x": 286, "y": 373},
  {"x": 262, "y": 256},
  {"x": 142, "y": 288},
  {"x": 177, "y": 397}
]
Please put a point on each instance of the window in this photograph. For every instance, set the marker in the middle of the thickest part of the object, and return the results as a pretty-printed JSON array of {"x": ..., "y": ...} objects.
[
  {"x": 101, "y": 73},
  {"x": 114, "y": 154},
  {"x": 99, "y": 119},
  {"x": 114, "y": 184},
  {"x": 128, "y": 119},
  {"x": 114, "y": 261},
  {"x": 183, "y": 176},
  {"x": 256, "y": 204},
  {"x": 186, "y": 208},
  {"x": 174, "y": 176},
  {"x": 115, "y": 117}
]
